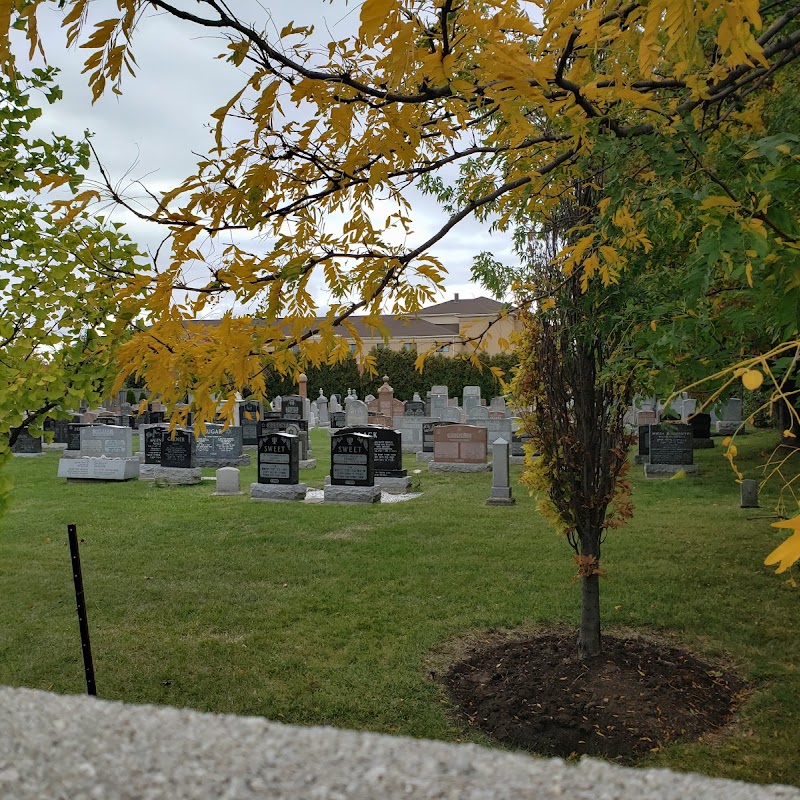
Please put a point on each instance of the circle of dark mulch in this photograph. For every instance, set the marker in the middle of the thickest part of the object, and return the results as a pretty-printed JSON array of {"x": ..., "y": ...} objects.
[{"x": 535, "y": 694}]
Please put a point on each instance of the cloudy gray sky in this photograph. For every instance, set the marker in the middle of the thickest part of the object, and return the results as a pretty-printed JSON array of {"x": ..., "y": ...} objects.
[{"x": 151, "y": 132}]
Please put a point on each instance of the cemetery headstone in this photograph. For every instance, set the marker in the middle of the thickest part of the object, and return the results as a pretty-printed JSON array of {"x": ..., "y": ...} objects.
[
  {"x": 278, "y": 468},
  {"x": 153, "y": 439},
  {"x": 352, "y": 460},
  {"x": 479, "y": 414},
  {"x": 730, "y": 420},
  {"x": 450, "y": 414},
  {"x": 27, "y": 445},
  {"x": 501, "y": 486},
  {"x": 671, "y": 450},
  {"x": 279, "y": 459},
  {"x": 293, "y": 407},
  {"x": 177, "y": 450},
  {"x": 701, "y": 430},
  {"x": 459, "y": 448},
  {"x": 471, "y": 398},
  {"x": 111, "y": 441},
  {"x": 220, "y": 447},
  {"x": 352, "y": 478},
  {"x": 294, "y": 427},
  {"x": 178, "y": 464},
  {"x": 749, "y": 493},
  {"x": 228, "y": 482},
  {"x": 356, "y": 413},
  {"x": 249, "y": 416},
  {"x": 414, "y": 408},
  {"x": 323, "y": 410},
  {"x": 338, "y": 419},
  {"x": 428, "y": 429}
]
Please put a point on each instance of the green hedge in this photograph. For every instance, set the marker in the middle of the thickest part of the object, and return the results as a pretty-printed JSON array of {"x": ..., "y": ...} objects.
[{"x": 405, "y": 379}]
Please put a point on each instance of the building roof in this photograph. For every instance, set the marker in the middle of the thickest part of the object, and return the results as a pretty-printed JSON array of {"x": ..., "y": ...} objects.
[
  {"x": 408, "y": 327},
  {"x": 466, "y": 307}
]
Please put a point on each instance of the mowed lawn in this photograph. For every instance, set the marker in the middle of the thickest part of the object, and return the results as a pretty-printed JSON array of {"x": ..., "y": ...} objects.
[{"x": 338, "y": 615}]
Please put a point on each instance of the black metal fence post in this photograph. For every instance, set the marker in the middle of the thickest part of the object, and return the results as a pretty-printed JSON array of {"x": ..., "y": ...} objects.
[{"x": 83, "y": 623}]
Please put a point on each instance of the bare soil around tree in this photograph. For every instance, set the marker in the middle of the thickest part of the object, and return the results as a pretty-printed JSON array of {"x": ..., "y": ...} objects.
[{"x": 533, "y": 693}]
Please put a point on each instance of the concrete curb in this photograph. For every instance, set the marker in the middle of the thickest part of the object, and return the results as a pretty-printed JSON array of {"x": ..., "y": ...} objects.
[{"x": 80, "y": 748}]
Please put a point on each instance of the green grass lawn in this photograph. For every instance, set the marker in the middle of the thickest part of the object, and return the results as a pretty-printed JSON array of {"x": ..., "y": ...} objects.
[{"x": 333, "y": 615}]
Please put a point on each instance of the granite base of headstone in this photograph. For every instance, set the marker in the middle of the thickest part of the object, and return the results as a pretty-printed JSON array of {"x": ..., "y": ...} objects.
[
  {"x": 147, "y": 472},
  {"x": 278, "y": 492},
  {"x": 352, "y": 494},
  {"x": 308, "y": 463},
  {"x": 51, "y": 446},
  {"x": 668, "y": 470},
  {"x": 726, "y": 428},
  {"x": 449, "y": 466},
  {"x": 388, "y": 485},
  {"x": 176, "y": 476},
  {"x": 749, "y": 494},
  {"x": 98, "y": 469},
  {"x": 423, "y": 457},
  {"x": 228, "y": 482}
]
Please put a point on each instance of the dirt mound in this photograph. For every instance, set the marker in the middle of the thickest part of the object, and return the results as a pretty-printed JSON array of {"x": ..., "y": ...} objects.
[{"x": 536, "y": 695}]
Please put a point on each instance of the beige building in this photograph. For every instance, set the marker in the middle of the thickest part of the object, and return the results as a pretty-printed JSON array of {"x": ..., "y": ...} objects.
[{"x": 452, "y": 327}]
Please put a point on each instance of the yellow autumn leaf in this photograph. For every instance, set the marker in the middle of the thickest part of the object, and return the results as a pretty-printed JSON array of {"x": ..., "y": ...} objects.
[
  {"x": 717, "y": 201},
  {"x": 679, "y": 475},
  {"x": 788, "y": 552},
  {"x": 547, "y": 304},
  {"x": 653, "y": 325},
  {"x": 752, "y": 379},
  {"x": 789, "y": 435}
]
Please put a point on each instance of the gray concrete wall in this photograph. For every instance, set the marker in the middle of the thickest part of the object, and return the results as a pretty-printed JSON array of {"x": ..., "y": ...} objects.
[{"x": 78, "y": 748}]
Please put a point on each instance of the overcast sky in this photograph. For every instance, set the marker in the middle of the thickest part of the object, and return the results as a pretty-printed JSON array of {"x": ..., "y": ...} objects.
[{"x": 162, "y": 118}]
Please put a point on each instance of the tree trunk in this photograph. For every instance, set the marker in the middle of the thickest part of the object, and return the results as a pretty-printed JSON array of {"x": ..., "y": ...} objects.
[{"x": 589, "y": 635}]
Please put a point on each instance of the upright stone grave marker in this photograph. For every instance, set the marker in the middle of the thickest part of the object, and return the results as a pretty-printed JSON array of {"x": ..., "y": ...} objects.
[
  {"x": 501, "y": 486},
  {"x": 459, "y": 448},
  {"x": 671, "y": 450},
  {"x": 428, "y": 429},
  {"x": 218, "y": 447},
  {"x": 278, "y": 468},
  {"x": 730, "y": 420},
  {"x": 643, "y": 451},
  {"x": 152, "y": 437},
  {"x": 439, "y": 401},
  {"x": 178, "y": 466},
  {"x": 338, "y": 420},
  {"x": 249, "y": 416},
  {"x": 471, "y": 398},
  {"x": 414, "y": 408},
  {"x": 701, "y": 430},
  {"x": 27, "y": 446},
  {"x": 388, "y": 457},
  {"x": 352, "y": 470},
  {"x": 294, "y": 427},
  {"x": 356, "y": 413},
  {"x": 293, "y": 407},
  {"x": 323, "y": 410},
  {"x": 110, "y": 441}
]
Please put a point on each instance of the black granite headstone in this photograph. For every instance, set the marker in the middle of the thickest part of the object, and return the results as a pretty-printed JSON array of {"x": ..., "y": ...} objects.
[
  {"x": 279, "y": 458},
  {"x": 250, "y": 414},
  {"x": 701, "y": 425},
  {"x": 644, "y": 440},
  {"x": 74, "y": 434},
  {"x": 293, "y": 407},
  {"x": 671, "y": 444},
  {"x": 352, "y": 460},
  {"x": 338, "y": 419},
  {"x": 61, "y": 431},
  {"x": 177, "y": 450},
  {"x": 427, "y": 434},
  {"x": 295, "y": 427},
  {"x": 388, "y": 450},
  {"x": 26, "y": 443},
  {"x": 153, "y": 440},
  {"x": 414, "y": 408}
]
